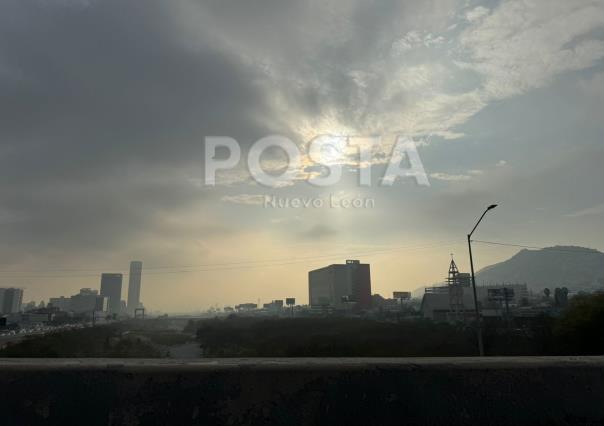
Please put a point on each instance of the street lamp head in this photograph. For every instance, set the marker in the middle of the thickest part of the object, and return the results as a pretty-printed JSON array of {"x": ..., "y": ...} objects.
[{"x": 492, "y": 206}]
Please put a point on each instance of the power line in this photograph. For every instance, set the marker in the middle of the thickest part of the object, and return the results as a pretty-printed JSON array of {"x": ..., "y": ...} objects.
[
  {"x": 261, "y": 263},
  {"x": 208, "y": 267},
  {"x": 241, "y": 262}
]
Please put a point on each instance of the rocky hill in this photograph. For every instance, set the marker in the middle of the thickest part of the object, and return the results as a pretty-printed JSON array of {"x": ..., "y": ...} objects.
[{"x": 577, "y": 268}]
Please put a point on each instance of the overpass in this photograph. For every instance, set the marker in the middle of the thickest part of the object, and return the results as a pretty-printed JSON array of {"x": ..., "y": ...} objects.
[{"x": 447, "y": 391}]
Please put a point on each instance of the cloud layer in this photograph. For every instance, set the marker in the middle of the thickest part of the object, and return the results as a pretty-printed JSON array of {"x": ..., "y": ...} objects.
[{"x": 105, "y": 105}]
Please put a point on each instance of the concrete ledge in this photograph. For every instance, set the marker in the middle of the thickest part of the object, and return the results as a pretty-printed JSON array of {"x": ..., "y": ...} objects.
[{"x": 490, "y": 391}]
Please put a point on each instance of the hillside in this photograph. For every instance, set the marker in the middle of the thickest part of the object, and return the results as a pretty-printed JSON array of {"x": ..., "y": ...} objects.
[{"x": 577, "y": 268}]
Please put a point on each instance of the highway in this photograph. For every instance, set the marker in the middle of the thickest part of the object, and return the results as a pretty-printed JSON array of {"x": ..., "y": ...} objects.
[{"x": 15, "y": 336}]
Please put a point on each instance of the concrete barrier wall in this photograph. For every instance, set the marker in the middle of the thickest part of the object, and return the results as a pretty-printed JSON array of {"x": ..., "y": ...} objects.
[{"x": 447, "y": 391}]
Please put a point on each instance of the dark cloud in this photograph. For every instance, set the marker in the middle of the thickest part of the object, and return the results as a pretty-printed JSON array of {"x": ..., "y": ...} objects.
[
  {"x": 104, "y": 109},
  {"x": 105, "y": 104},
  {"x": 99, "y": 86}
]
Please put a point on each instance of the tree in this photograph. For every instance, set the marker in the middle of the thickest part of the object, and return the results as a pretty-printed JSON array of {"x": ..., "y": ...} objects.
[
  {"x": 579, "y": 329},
  {"x": 561, "y": 297}
]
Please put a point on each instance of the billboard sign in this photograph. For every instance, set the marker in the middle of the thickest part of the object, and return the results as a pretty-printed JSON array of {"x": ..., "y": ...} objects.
[{"x": 496, "y": 294}]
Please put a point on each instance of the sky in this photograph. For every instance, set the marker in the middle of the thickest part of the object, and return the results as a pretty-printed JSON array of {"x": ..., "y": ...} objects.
[{"x": 105, "y": 106}]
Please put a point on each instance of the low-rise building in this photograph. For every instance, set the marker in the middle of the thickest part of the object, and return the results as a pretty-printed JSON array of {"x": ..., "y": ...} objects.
[
  {"x": 62, "y": 303},
  {"x": 88, "y": 300}
]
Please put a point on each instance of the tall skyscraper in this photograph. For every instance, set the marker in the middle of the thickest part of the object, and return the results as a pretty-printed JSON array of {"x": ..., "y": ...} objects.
[
  {"x": 134, "y": 285},
  {"x": 111, "y": 288},
  {"x": 10, "y": 300},
  {"x": 335, "y": 285}
]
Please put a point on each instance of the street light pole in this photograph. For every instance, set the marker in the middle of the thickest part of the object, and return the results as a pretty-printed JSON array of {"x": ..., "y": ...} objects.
[{"x": 476, "y": 310}]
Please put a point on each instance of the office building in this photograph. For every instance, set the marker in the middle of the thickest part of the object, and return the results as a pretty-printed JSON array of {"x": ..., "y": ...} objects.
[
  {"x": 10, "y": 300},
  {"x": 87, "y": 301},
  {"x": 437, "y": 306},
  {"x": 275, "y": 306},
  {"x": 134, "y": 286},
  {"x": 452, "y": 302},
  {"x": 341, "y": 285},
  {"x": 62, "y": 303},
  {"x": 111, "y": 288},
  {"x": 38, "y": 316}
]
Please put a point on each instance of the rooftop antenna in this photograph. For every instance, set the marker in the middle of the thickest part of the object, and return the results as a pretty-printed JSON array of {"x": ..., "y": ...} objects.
[
  {"x": 455, "y": 292},
  {"x": 453, "y": 278}
]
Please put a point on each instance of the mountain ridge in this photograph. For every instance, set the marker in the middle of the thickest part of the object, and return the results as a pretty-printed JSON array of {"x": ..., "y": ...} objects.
[{"x": 575, "y": 267}]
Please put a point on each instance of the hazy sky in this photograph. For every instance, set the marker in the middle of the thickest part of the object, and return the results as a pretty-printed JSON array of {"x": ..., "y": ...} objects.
[{"x": 105, "y": 104}]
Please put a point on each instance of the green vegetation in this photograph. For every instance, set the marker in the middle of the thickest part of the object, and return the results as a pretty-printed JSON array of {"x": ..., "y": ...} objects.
[
  {"x": 577, "y": 331},
  {"x": 166, "y": 338},
  {"x": 310, "y": 337},
  {"x": 93, "y": 342}
]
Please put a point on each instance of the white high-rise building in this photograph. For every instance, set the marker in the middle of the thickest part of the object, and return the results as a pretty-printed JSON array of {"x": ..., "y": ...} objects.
[{"x": 134, "y": 285}]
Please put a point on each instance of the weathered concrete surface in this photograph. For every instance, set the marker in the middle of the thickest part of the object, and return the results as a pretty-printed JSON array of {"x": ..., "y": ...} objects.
[{"x": 337, "y": 391}]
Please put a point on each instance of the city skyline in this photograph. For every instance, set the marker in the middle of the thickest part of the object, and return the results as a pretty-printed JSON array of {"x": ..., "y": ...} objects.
[
  {"x": 581, "y": 277},
  {"x": 104, "y": 124}
]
